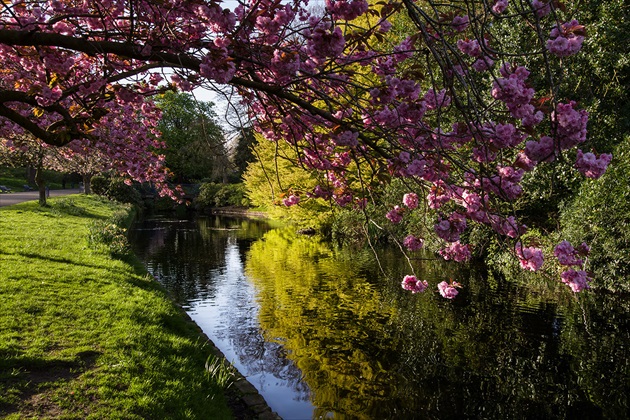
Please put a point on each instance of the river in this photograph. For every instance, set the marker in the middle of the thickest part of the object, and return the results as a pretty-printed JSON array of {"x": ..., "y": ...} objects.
[{"x": 324, "y": 332}]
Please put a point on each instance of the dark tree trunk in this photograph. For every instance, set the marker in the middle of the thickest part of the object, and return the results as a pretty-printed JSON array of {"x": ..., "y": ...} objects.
[
  {"x": 41, "y": 185},
  {"x": 30, "y": 175},
  {"x": 86, "y": 184}
]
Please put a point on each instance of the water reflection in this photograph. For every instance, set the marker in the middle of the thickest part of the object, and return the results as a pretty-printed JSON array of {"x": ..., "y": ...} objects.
[{"x": 322, "y": 334}]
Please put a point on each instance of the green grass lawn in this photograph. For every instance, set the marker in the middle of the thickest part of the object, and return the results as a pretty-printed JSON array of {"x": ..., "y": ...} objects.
[{"x": 86, "y": 335}]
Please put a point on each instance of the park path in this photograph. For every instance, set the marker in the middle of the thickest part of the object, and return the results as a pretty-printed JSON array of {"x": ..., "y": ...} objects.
[{"x": 7, "y": 199}]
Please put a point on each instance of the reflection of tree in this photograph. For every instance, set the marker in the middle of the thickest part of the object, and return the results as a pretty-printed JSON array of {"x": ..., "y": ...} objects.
[
  {"x": 185, "y": 256},
  {"x": 358, "y": 346},
  {"x": 367, "y": 350}
]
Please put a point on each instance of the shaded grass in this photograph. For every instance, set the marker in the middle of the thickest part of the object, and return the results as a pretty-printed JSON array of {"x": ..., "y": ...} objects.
[
  {"x": 15, "y": 178},
  {"x": 83, "y": 335}
]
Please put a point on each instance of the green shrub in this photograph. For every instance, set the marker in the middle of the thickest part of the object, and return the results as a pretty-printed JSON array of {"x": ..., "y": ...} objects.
[
  {"x": 600, "y": 216},
  {"x": 123, "y": 193},
  {"x": 116, "y": 189},
  {"x": 99, "y": 185},
  {"x": 221, "y": 195},
  {"x": 111, "y": 234}
]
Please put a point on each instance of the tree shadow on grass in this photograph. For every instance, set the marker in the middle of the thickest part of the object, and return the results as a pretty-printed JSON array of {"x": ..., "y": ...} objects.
[{"x": 28, "y": 380}]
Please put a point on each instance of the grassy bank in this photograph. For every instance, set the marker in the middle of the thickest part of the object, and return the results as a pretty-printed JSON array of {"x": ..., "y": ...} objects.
[{"x": 86, "y": 335}]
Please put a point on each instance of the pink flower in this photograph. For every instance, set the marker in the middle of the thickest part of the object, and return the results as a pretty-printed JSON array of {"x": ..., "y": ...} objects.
[
  {"x": 456, "y": 252},
  {"x": 348, "y": 9},
  {"x": 567, "y": 39},
  {"x": 540, "y": 151},
  {"x": 591, "y": 166},
  {"x": 469, "y": 47},
  {"x": 530, "y": 258},
  {"x": 542, "y": 9},
  {"x": 410, "y": 200},
  {"x": 448, "y": 290},
  {"x": 394, "y": 215},
  {"x": 483, "y": 64},
  {"x": 576, "y": 280},
  {"x": 412, "y": 243},
  {"x": 500, "y": 6},
  {"x": 566, "y": 254},
  {"x": 414, "y": 285},
  {"x": 291, "y": 200},
  {"x": 450, "y": 229},
  {"x": 460, "y": 23},
  {"x": 571, "y": 128}
]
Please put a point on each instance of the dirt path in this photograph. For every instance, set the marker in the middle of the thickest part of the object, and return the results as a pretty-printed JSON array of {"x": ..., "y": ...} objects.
[{"x": 7, "y": 199}]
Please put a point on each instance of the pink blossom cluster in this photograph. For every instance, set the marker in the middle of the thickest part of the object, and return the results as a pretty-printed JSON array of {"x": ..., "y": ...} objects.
[
  {"x": 566, "y": 39},
  {"x": 456, "y": 252},
  {"x": 577, "y": 280},
  {"x": 507, "y": 226},
  {"x": 395, "y": 215},
  {"x": 448, "y": 290},
  {"x": 291, "y": 200},
  {"x": 450, "y": 229},
  {"x": 541, "y": 8},
  {"x": 513, "y": 90},
  {"x": 414, "y": 285},
  {"x": 567, "y": 255},
  {"x": 413, "y": 243},
  {"x": 570, "y": 124},
  {"x": 542, "y": 150},
  {"x": 347, "y": 10},
  {"x": 500, "y": 6},
  {"x": 469, "y": 47},
  {"x": 590, "y": 165},
  {"x": 460, "y": 23},
  {"x": 410, "y": 200},
  {"x": 530, "y": 258}
]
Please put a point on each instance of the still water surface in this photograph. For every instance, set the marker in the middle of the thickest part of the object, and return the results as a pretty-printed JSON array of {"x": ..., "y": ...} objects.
[{"x": 322, "y": 333}]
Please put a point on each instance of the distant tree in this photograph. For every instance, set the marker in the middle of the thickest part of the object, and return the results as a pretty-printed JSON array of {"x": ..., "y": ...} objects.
[
  {"x": 74, "y": 159},
  {"x": 243, "y": 152},
  {"x": 195, "y": 142},
  {"x": 26, "y": 150}
]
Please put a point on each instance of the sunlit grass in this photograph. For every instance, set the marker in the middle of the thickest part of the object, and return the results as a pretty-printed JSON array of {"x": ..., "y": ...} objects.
[{"x": 84, "y": 335}]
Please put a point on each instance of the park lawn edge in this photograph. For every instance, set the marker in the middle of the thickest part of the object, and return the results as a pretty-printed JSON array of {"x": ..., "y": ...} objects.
[{"x": 86, "y": 335}]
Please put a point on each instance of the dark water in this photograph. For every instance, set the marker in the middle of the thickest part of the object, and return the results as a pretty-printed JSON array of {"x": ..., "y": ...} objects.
[{"x": 322, "y": 333}]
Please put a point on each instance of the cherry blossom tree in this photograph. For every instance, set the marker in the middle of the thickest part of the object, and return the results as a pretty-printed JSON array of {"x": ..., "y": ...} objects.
[
  {"x": 451, "y": 109},
  {"x": 78, "y": 157},
  {"x": 26, "y": 150}
]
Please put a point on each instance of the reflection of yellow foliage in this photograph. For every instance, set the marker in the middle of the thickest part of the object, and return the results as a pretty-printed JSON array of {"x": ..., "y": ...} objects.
[
  {"x": 326, "y": 333},
  {"x": 365, "y": 347}
]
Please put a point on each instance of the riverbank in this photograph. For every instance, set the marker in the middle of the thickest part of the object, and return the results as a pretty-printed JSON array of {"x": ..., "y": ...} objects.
[{"x": 86, "y": 335}]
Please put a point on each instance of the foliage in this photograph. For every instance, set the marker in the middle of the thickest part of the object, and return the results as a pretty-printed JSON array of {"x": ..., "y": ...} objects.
[
  {"x": 268, "y": 178},
  {"x": 600, "y": 215},
  {"x": 194, "y": 139},
  {"x": 462, "y": 109},
  {"x": 100, "y": 184},
  {"x": 111, "y": 234},
  {"x": 243, "y": 153},
  {"x": 220, "y": 371},
  {"x": 95, "y": 337},
  {"x": 117, "y": 189},
  {"x": 17, "y": 177},
  {"x": 221, "y": 195}
]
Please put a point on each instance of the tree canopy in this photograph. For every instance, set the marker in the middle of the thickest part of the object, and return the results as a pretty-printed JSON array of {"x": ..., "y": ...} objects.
[
  {"x": 195, "y": 143},
  {"x": 452, "y": 109}
]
